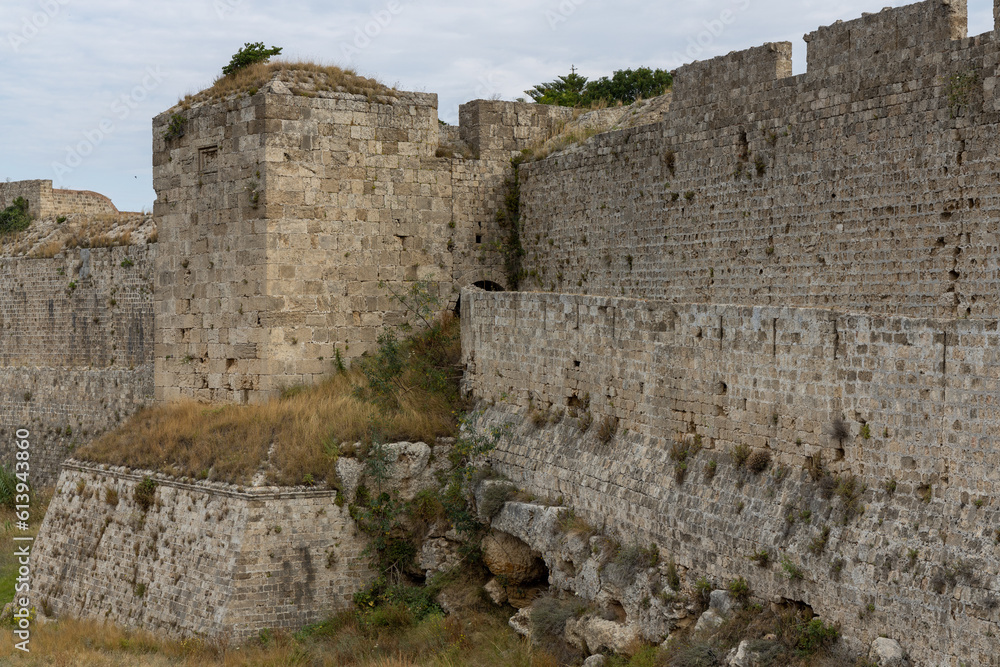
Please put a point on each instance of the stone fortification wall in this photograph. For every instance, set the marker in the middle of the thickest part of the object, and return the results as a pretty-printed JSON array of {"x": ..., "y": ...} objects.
[
  {"x": 76, "y": 352},
  {"x": 44, "y": 202},
  {"x": 78, "y": 201},
  {"x": 34, "y": 192},
  {"x": 915, "y": 396},
  {"x": 867, "y": 184},
  {"x": 211, "y": 268},
  {"x": 204, "y": 559},
  {"x": 285, "y": 220}
]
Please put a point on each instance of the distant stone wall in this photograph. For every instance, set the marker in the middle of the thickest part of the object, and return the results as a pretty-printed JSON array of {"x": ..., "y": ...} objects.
[
  {"x": 76, "y": 354},
  {"x": 915, "y": 396},
  {"x": 44, "y": 202},
  {"x": 78, "y": 201},
  {"x": 867, "y": 184},
  {"x": 204, "y": 560},
  {"x": 32, "y": 192}
]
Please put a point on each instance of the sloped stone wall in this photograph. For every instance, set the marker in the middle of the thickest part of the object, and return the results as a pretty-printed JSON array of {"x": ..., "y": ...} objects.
[
  {"x": 76, "y": 350},
  {"x": 204, "y": 560},
  {"x": 915, "y": 396}
]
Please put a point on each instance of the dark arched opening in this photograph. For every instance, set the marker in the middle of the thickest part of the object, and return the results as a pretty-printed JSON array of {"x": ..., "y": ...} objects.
[{"x": 485, "y": 285}]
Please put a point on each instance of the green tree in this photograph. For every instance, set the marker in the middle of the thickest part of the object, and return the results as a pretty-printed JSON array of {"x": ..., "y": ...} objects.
[
  {"x": 566, "y": 91},
  {"x": 250, "y": 54},
  {"x": 627, "y": 86}
]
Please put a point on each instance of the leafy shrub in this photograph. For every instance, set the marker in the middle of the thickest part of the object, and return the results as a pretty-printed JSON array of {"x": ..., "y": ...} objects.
[
  {"x": 816, "y": 635},
  {"x": 759, "y": 460},
  {"x": 762, "y": 558},
  {"x": 739, "y": 589},
  {"x": 790, "y": 569},
  {"x": 680, "y": 454},
  {"x": 145, "y": 493},
  {"x": 15, "y": 217},
  {"x": 673, "y": 576},
  {"x": 250, "y": 54},
  {"x": 850, "y": 490},
  {"x": 176, "y": 127},
  {"x": 739, "y": 454}
]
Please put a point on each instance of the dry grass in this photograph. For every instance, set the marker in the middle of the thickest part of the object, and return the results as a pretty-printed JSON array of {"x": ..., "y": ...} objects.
[
  {"x": 47, "y": 237},
  {"x": 459, "y": 640},
  {"x": 303, "y": 78},
  {"x": 288, "y": 438}
]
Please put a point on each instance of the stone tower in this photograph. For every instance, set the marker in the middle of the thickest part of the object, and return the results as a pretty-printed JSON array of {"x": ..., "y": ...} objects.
[{"x": 281, "y": 210}]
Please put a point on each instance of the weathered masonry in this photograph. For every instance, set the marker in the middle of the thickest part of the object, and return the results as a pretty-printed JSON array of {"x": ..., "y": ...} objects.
[
  {"x": 76, "y": 350},
  {"x": 806, "y": 265},
  {"x": 281, "y": 215}
]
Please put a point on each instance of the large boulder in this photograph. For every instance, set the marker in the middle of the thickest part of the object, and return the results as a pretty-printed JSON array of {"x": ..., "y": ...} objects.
[
  {"x": 709, "y": 621},
  {"x": 521, "y": 622},
  {"x": 886, "y": 652},
  {"x": 594, "y": 634},
  {"x": 751, "y": 654},
  {"x": 508, "y": 557}
]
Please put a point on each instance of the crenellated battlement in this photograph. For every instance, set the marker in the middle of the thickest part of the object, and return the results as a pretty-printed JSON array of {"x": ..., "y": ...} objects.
[
  {"x": 901, "y": 31},
  {"x": 736, "y": 74}
]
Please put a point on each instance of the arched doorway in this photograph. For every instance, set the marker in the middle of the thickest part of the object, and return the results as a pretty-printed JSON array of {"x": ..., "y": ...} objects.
[{"x": 485, "y": 285}]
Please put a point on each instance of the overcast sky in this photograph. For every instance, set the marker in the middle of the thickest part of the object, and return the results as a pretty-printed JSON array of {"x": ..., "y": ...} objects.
[{"x": 80, "y": 80}]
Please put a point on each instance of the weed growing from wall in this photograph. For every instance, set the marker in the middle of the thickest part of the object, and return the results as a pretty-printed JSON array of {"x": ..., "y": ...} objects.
[
  {"x": 145, "y": 493},
  {"x": 960, "y": 90}
]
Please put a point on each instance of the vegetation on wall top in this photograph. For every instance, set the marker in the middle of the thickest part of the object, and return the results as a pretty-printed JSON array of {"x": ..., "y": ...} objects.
[
  {"x": 626, "y": 86},
  {"x": 303, "y": 78},
  {"x": 250, "y": 54}
]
